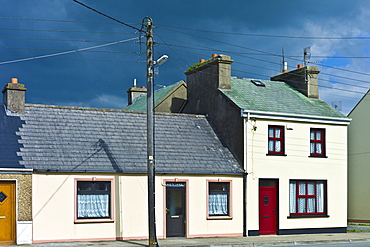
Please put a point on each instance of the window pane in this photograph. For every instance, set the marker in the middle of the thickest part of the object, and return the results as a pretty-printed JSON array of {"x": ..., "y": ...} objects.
[
  {"x": 318, "y": 135},
  {"x": 312, "y": 147},
  {"x": 302, "y": 188},
  {"x": 278, "y": 146},
  {"x": 84, "y": 186},
  {"x": 102, "y": 186},
  {"x": 292, "y": 197},
  {"x": 318, "y": 148},
  {"x": 218, "y": 198},
  {"x": 320, "y": 196},
  {"x": 310, "y": 188},
  {"x": 311, "y": 205},
  {"x": 301, "y": 205},
  {"x": 271, "y": 146},
  {"x": 271, "y": 132},
  {"x": 277, "y": 132},
  {"x": 93, "y": 206},
  {"x": 312, "y": 135}
]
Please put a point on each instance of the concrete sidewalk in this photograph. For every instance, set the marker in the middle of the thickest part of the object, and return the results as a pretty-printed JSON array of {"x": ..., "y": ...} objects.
[{"x": 267, "y": 240}]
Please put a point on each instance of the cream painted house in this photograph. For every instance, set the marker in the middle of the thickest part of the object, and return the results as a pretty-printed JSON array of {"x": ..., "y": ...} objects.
[
  {"x": 358, "y": 162},
  {"x": 292, "y": 145},
  {"x": 79, "y": 174}
]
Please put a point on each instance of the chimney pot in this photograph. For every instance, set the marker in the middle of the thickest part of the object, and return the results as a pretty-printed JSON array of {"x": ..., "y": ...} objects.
[
  {"x": 143, "y": 87},
  {"x": 214, "y": 55},
  {"x": 14, "y": 80},
  {"x": 202, "y": 60},
  {"x": 299, "y": 66}
]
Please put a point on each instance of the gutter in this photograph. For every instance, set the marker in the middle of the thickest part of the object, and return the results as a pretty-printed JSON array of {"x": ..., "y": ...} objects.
[
  {"x": 295, "y": 117},
  {"x": 15, "y": 170}
]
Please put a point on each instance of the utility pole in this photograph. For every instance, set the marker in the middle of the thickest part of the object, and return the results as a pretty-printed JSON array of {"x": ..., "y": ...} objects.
[{"x": 150, "y": 133}]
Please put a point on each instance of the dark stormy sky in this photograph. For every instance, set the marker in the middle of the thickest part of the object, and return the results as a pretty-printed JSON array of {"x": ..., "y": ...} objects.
[{"x": 67, "y": 54}]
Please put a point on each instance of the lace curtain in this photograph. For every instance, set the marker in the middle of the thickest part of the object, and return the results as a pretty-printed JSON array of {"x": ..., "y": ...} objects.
[
  {"x": 218, "y": 204},
  {"x": 93, "y": 206}
]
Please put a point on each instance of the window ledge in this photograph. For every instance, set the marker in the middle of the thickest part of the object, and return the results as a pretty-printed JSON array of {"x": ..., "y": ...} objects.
[
  {"x": 78, "y": 221},
  {"x": 318, "y": 156},
  {"x": 219, "y": 218},
  {"x": 308, "y": 216},
  {"x": 276, "y": 154}
]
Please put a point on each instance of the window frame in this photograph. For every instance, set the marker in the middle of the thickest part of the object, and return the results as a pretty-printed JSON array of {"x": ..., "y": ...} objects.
[
  {"x": 315, "y": 142},
  {"x": 275, "y": 139},
  {"x": 230, "y": 211},
  {"x": 306, "y": 197},
  {"x": 111, "y": 198}
]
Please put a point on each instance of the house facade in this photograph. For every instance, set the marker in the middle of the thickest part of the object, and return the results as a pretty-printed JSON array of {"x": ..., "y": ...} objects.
[
  {"x": 293, "y": 146},
  {"x": 79, "y": 174},
  {"x": 358, "y": 159}
]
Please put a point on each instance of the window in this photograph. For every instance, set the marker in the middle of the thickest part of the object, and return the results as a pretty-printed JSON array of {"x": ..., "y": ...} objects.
[
  {"x": 93, "y": 200},
  {"x": 219, "y": 198},
  {"x": 317, "y": 142},
  {"x": 276, "y": 140},
  {"x": 307, "y": 197}
]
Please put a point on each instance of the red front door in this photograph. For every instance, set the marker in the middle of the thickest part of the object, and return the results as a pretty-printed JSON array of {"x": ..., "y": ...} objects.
[{"x": 267, "y": 207}]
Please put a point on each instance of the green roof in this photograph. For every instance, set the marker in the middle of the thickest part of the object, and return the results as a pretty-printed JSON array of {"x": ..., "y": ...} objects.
[
  {"x": 276, "y": 97},
  {"x": 140, "y": 103}
]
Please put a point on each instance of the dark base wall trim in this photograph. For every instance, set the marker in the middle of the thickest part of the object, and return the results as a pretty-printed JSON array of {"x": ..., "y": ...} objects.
[
  {"x": 253, "y": 232},
  {"x": 313, "y": 230}
]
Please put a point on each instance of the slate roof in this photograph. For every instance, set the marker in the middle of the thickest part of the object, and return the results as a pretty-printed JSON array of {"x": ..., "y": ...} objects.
[
  {"x": 84, "y": 139},
  {"x": 9, "y": 140},
  {"x": 140, "y": 103},
  {"x": 276, "y": 97}
]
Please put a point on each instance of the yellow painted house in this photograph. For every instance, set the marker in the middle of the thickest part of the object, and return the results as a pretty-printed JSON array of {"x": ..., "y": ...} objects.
[{"x": 358, "y": 162}]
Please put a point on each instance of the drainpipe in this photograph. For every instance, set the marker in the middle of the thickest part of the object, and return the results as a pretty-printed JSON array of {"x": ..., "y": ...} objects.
[{"x": 245, "y": 174}]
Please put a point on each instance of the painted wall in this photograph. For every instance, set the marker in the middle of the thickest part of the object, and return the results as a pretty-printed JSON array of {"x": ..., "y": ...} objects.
[
  {"x": 54, "y": 198},
  {"x": 358, "y": 162},
  {"x": 297, "y": 165}
]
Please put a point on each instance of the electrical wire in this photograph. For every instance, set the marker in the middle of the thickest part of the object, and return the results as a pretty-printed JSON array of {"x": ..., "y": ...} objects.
[
  {"x": 114, "y": 19},
  {"x": 265, "y": 35},
  {"x": 66, "y": 52}
]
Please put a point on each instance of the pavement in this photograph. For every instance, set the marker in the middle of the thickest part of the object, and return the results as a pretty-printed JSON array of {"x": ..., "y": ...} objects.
[{"x": 266, "y": 240}]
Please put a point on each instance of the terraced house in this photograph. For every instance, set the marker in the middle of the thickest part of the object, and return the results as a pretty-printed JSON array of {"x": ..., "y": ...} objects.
[
  {"x": 292, "y": 145},
  {"x": 76, "y": 174}
]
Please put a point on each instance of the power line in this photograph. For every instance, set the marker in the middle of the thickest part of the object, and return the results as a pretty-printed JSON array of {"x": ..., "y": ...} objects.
[
  {"x": 60, "y": 31},
  {"x": 64, "y": 21},
  {"x": 265, "y": 35},
  {"x": 114, "y": 19},
  {"x": 45, "y": 49},
  {"x": 66, "y": 52}
]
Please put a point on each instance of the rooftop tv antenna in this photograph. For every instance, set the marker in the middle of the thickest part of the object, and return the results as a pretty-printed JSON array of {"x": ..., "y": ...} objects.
[{"x": 306, "y": 55}]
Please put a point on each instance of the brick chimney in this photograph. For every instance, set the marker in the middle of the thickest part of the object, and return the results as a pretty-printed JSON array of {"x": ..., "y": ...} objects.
[
  {"x": 14, "y": 96},
  {"x": 135, "y": 92},
  {"x": 303, "y": 79},
  {"x": 205, "y": 77}
]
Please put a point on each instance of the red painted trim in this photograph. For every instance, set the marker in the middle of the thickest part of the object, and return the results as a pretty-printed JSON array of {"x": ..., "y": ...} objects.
[
  {"x": 322, "y": 141},
  {"x": 112, "y": 199},
  {"x": 274, "y": 139}
]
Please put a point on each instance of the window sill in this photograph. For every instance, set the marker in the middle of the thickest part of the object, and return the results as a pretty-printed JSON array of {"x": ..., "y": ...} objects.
[
  {"x": 308, "y": 216},
  {"x": 276, "y": 154},
  {"x": 219, "y": 218},
  {"x": 318, "y": 156},
  {"x": 79, "y": 221}
]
